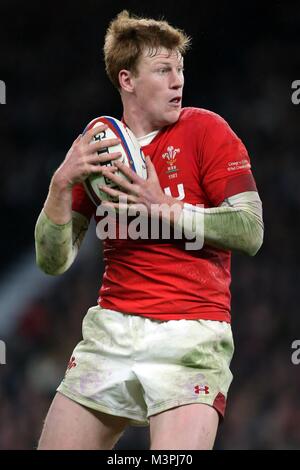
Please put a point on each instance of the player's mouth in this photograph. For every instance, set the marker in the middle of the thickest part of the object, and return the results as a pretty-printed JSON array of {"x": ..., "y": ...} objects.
[{"x": 175, "y": 102}]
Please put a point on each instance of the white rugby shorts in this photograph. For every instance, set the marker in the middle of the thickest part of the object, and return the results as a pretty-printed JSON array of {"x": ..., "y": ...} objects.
[{"x": 136, "y": 367}]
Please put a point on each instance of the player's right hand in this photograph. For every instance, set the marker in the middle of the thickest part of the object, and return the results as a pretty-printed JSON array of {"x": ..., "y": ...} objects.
[{"x": 83, "y": 159}]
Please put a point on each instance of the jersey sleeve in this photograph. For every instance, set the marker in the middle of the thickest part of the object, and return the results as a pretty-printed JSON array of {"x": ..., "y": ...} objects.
[
  {"x": 225, "y": 166},
  {"x": 81, "y": 202}
]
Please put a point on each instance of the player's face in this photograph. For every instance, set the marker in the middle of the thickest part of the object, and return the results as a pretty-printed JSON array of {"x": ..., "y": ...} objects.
[{"x": 158, "y": 88}]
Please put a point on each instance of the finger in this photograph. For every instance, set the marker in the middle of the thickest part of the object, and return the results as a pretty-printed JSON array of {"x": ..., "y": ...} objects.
[
  {"x": 121, "y": 181},
  {"x": 104, "y": 157},
  {"x": 102, "y": 169},
  {"x": 128, "y": 172},
  {"x": 108, "y": 204},
  {"x": 100, "y": 145},
  {"x": 88, "y": 136},
  {"x": 116, "y": 194}
]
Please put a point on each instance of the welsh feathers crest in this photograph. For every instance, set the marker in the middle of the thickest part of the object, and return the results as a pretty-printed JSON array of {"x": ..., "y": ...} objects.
[{"x": 170, "y": 155}]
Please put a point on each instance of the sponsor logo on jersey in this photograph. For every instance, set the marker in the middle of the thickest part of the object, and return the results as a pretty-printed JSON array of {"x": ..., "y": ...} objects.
[{"x": 239, "y": 165}]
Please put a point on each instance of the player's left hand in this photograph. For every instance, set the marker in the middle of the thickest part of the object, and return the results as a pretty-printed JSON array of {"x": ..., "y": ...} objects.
[{"x": 136, "y": 193}]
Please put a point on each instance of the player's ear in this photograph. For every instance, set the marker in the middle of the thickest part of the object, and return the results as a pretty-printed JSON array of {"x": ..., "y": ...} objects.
[{"x": 125, "y": 80}]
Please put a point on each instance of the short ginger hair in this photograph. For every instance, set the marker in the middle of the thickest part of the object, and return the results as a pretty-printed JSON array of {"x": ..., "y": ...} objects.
[{"x": 128, "y": 36}]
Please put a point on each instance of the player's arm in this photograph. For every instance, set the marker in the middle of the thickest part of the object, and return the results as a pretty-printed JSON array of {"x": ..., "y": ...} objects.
[
  {"x": 59, "y": 231},
  {"x": 57, "y": 244},
  {"x": 236, "y": 225}
]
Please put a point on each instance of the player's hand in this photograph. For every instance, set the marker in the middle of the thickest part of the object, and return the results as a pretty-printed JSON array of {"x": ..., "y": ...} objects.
[
  {"x": 137, "y": 193},
  {"x": 83, "y": 160}
]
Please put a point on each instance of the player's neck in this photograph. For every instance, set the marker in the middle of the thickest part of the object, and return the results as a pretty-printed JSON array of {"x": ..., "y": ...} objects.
[{"x": 138, "y": 123}]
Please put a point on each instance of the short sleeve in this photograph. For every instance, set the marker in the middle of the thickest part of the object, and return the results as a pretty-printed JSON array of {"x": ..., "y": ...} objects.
[
  {"x": 81, "y": 202},
  {"x": 226, "y": 168}
]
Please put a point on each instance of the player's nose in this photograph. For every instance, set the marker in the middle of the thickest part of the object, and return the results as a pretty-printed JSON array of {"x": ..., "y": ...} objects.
[{"x": 176, "y": 80}]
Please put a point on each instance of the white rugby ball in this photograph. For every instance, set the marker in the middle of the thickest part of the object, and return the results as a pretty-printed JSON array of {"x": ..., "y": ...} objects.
[{"x": 132, "y": 156}]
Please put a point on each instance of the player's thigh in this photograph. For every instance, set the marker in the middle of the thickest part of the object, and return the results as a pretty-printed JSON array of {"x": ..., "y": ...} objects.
[
  {"x": 69, "y": 425},
  {"x": 192, "y": 426}
]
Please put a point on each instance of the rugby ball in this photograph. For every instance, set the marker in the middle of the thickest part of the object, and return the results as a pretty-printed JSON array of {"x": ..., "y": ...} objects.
[{"x": 132, "y": 156}]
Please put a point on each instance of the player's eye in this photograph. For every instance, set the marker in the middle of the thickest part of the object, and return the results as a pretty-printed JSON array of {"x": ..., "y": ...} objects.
[{"x": 163, "y": 70}]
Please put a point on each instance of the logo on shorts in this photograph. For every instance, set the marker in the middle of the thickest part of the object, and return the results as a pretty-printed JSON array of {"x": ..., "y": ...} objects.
[
  {"x": 71, "y": 364},
  {"x": 201, "y": 389}
]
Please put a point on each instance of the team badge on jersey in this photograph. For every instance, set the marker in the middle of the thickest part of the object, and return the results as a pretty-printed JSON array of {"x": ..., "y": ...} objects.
[{"x": 170, "y": 158}]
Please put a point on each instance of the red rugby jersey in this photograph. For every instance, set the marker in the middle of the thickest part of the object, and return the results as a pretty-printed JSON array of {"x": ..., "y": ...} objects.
[{"x": 199, "y": 160}]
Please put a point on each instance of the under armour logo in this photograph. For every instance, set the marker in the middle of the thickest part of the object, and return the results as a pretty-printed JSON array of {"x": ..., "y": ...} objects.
[
  {"x": 201, "y": 389},
  {"x": 71, "y": 363}
]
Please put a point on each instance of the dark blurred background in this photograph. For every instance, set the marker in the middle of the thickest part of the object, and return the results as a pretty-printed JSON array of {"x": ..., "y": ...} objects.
[{"x": 242, "y": 64}]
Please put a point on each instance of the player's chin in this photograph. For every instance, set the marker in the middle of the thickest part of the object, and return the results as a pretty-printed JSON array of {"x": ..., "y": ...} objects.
[{"x": 172, "y": 115}]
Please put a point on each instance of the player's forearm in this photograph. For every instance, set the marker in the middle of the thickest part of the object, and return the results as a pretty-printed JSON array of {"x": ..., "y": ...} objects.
[
  {"x": 53, "y": 245},
  {"x": 237, "y": 225},
  {"x": 57, "y": 244},
  {"x": 58, "y": 205},
  {"x": 53, "y": 230},
  {"x": 233, "y": 229}
]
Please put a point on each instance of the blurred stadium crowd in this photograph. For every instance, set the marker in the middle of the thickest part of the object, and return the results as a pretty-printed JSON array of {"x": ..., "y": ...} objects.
[{"x": 241, "y": 67}]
